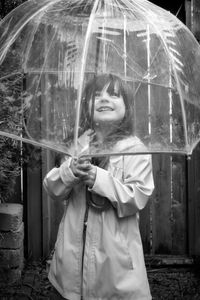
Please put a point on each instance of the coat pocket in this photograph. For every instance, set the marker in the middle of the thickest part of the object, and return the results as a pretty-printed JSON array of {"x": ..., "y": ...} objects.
[{"x": 126, "y": 251}]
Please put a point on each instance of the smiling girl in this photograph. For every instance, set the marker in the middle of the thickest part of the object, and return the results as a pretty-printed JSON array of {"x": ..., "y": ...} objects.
[{"x": 98, "y": 252}]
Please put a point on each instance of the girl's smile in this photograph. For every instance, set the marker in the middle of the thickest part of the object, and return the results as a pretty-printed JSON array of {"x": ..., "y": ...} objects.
[{"x": 104, "y": 108}]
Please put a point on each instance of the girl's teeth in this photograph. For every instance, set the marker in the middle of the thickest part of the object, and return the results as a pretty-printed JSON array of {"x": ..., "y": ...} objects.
[{"x": 105, "y": 108}]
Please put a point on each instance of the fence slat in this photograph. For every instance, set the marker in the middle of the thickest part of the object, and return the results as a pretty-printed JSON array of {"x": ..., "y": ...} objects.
[
  {"x": 194, "y": 202},
  {"x": 179, "y": 215},
  {"x": 161, "y": 206},
  {"x": 145, "y": 228},
  {"x": 33, "y": 212}
]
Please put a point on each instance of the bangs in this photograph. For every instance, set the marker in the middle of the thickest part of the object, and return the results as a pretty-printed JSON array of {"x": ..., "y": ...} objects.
[{"x": 113, "y": 84}]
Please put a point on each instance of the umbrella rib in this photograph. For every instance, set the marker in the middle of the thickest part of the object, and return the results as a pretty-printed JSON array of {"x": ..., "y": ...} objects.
[
  {"x": 83, "y": 62},
  {"x": 33, "y": 142}
]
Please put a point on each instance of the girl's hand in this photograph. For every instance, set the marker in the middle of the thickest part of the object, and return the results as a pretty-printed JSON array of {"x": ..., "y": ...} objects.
[
  {"x": 80, "y": 167},
  {"x": 84, "y": 170},
  {"x": 90, "y": 178}
]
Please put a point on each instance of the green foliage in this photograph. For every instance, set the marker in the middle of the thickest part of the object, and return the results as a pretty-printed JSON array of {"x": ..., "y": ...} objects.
[
  {"x": 13, "y": 154},
  {"x": 10, "y": 115},
  {"x": 10, "y": 167}
]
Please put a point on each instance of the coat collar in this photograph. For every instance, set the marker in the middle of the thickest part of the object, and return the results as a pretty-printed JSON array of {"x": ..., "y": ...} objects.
[{"x": 128, "y": 144}]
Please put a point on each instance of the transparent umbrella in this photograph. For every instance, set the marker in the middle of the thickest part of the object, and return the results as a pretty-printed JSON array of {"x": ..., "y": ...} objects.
[{"x": 51, "y": 49}]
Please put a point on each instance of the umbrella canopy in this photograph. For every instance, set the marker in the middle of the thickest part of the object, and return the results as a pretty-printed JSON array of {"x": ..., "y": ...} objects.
[{"x": 51, "y": 49}]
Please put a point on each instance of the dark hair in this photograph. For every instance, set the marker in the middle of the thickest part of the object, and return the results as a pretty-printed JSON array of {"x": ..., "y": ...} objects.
[{"x": 126, "y": 127}]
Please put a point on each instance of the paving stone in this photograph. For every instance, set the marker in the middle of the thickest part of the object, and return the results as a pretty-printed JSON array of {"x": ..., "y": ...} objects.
[
  {"x": 28, "y": 282},
  {"x": 12, "y": 239},
  {"x": 10, "y": 216},
  {"x": 29, "y": 278}
]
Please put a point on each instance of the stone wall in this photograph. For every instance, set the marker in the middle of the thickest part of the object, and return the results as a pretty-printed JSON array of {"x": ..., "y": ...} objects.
[{"x": 11, "y": 242}]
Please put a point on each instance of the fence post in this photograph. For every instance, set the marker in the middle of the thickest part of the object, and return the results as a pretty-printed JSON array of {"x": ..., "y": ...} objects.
[{"x": 194, "y": 203}]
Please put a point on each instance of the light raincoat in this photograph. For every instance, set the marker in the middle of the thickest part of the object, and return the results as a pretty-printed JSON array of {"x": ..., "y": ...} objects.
[{"x": 111, "y": 266}]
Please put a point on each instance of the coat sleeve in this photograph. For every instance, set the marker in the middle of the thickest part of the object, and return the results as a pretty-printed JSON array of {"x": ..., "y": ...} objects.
[
  {"x": 59, "y": 182},
  {"x": 131, "y": 194}
]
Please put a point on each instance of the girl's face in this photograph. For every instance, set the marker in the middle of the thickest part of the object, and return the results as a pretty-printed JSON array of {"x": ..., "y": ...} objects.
[{"x": 107, "y": 107}]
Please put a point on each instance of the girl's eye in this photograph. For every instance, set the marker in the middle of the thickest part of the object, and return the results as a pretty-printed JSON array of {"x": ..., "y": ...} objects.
[{"x": 115, "y": 95}]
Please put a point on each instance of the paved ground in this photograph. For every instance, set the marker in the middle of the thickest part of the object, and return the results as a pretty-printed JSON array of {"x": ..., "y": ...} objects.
[{"x": 166, "y": 283}]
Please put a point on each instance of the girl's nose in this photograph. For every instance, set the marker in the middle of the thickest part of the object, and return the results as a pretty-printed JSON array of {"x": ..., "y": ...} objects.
[{"x": 103, "y": 99}]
